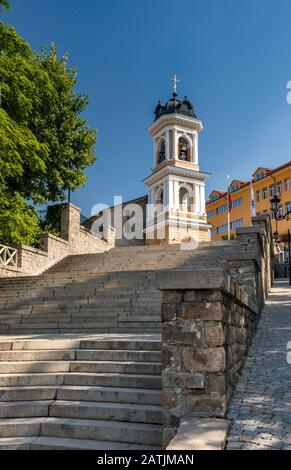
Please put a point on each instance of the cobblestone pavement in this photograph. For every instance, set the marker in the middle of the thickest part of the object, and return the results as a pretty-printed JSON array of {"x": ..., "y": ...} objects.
[{"x": 260, "y": 410}]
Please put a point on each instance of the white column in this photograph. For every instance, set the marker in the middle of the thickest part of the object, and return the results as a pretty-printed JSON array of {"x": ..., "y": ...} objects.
[
  {"x": 174, "y": 203},
  {"x": 166, "y": 194},
  {"x": 197, "y": 199},
  {"x": 175, "y": 144},
  {"x": 202, "y": 199},
  {"x": 167, "y": 145},
  {"x": 150, "y": 203},
  {"x": 170, "y": 194},
  {"x": 155, "y": 153},
  {"x": 195, "y": 149}
]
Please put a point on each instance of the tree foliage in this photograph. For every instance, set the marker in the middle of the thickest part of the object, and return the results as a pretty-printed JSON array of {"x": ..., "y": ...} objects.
[
  {"x": 45, "y": 144},
  {"x": 5, "y": 4},
  {"x": 19, "y": 221}
]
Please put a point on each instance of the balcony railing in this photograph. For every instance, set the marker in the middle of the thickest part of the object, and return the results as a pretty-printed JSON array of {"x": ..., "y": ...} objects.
[{"x": 8, "y": 256}]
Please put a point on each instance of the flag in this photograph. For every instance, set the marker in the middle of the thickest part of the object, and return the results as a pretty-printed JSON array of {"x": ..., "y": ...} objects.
[
  {"x": 253, "y": 205},
  {"x": 229, "y": 196},
  {"x": 229, "y": 206}
]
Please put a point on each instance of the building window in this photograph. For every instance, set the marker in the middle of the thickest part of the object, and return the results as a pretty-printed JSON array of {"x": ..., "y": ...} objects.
[
  {"x": 236, "y": 223},
  {"x": 212, "y": 232},
  {"x": 260, "y": 176},
  {"x": 265, "y": 193},
  {"x": 272, "y": 190},
  {"x": 280, "y": 210},
  {"x": 288, "y": 206},
  {"x": 162, "y": 152},
  {"x": 287, "y": 184},
  {"x": 221, "y": 209},
  {"x": 234, "y": 187},
  {"x": 184, "y": 150},
  {"x": 258, "y": 196},
  {"x": 222, "y": 229},
  {"x": 280, "y": 187},
  {"x": 211, "y": 213},
  {"x": 272, "y": 215},
  {"x": 237, "y": 202}
]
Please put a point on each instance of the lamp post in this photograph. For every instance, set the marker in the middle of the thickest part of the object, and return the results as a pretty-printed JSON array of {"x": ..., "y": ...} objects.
[{"x": 279, "y": 215}]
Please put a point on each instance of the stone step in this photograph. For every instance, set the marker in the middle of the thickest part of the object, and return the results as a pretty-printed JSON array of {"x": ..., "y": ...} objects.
[
  {"x": 34, "y": 367},
  {"x": 154, "y": 323},
  {"x": 35, "y": 442},
  {"x": 146, "y": 381},
  {"x": 115, "y": 367},
  {"x": 96, "y": 325},
  {"x": 51, "y": 443},
  {"x": 40, "y": 344},
  {"x": 81, "y": 379},
  {"x": 28, "y": 393},
  {"x": 137, "y": 396},
  {"x": 16, "y": 443},
  {"x": 81, "y": 355},
  {"x": 20, "y": 427},
  {"x": 24, "y": 380},
  {"x": 91, "y": 311},
  {"x": 25, "y": 409},
  {"x": 117, "y": 355},
  {"x": 106, "y": 411},
  {"x": 54, "y": 355},
  {"x": 122, "y": 344},
  {"x": 126, "y": 287},
  {"x": 79, "y": 393},
  {"x": 145, "y": 328},
  {"x": 58, "y": 321},
  {"x": 110, "y": 342},
  {"x": 112, "y": 431}
]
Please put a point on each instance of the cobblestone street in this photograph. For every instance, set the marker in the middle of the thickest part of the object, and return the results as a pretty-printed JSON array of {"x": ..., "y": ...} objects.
[{"x": 260, "y": 410}]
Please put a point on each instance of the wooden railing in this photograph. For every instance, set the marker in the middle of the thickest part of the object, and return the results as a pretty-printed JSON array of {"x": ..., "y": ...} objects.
[{"x": 8, "y": 256}]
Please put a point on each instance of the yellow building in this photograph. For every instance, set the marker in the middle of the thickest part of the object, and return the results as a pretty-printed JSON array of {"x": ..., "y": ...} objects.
[{"x": 266, "y": 182}]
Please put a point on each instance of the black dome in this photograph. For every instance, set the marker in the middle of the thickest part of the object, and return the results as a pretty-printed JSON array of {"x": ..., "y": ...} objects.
[{"x": 175, "y": 106}]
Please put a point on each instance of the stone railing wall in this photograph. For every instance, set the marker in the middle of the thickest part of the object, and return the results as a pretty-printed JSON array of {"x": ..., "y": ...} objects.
[
  {"x": 81, "y": 240},
  {"x": 75, "y": 239},
  {"x": 251, "y": 260},
  {"x": 208, "y": 320},
  {"x": 207, "y": 325}
]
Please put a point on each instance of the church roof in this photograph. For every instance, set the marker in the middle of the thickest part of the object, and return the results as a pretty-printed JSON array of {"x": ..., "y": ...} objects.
[{"x": 175, "y": 106}]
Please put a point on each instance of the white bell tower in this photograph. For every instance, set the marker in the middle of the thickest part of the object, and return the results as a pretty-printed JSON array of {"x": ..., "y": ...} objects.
[{"x": 176, "y": 187}]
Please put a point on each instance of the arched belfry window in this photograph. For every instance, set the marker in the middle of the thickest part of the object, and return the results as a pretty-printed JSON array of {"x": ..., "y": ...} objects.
[
  {"x": 184, "y": 200},
  {"x": 162, "y": 152},
  {"x": 184, "y": 151},
  {"x": 159, "y": 202}
]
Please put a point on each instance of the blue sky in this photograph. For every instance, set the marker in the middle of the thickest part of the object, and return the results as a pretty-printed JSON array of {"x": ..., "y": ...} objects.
[{"x": 233, "y": 58}]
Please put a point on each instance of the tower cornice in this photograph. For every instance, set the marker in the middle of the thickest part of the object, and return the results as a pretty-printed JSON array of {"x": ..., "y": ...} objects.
[
  {"x": 176, "y": 171},
  {"x": 175, "y": 119}
]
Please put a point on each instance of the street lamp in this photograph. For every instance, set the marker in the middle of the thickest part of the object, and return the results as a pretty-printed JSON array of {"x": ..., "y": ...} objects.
[
  {"x": 275, "y": 202},
  {"x": 279, "y": 215}
]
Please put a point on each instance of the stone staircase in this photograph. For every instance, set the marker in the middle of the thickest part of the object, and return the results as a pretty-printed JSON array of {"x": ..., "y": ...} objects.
[
  {"x": 112, "y": 291},
  {"x": 80, "y": 360},
  {"x": 95, "y": 393}
]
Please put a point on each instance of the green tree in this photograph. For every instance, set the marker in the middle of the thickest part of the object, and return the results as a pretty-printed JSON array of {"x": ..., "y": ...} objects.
[
  {"x": 45, "y": 144},
  {"x": 5, "y": 4},
  {"x": 19, "y": 221},
  {"x": 61, "y": 127}
]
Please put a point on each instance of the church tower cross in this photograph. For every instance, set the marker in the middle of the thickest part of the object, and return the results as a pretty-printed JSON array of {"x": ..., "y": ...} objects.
[{"x": 175, "y": 80}]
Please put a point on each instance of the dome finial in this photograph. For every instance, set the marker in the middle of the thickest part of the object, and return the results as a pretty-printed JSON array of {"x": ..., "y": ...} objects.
[{"x": 175, "y": 80}]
